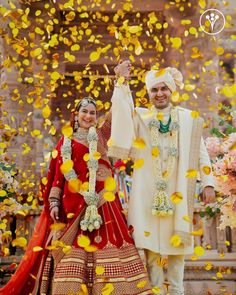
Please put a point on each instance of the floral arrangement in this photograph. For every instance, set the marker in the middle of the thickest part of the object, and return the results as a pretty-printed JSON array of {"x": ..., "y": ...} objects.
[
  {"x": 223, "y": 156},
  {"x": 8, "y": 189},
  {"x": 8, "y": 183},
  {"x": 222, "y": 150}
]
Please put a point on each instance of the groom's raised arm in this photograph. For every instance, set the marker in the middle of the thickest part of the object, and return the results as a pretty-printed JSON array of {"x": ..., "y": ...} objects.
[{"x": 122, "y": 127}]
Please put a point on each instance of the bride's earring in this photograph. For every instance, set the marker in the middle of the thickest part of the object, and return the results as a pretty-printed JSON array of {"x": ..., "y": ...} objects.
[{"x": 76, "y": 125}]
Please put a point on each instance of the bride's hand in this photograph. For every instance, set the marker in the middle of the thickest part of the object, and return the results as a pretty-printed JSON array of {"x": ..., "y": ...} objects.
[
  {"x": 55, "y": 214},
  {"x": 123, "y": 69}
]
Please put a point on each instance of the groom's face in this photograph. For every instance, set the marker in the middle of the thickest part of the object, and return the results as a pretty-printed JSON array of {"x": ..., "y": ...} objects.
[{"x": 160, "y": 95}]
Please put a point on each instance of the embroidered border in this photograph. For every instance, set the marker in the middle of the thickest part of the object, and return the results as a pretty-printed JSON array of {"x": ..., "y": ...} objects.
[{"x": 193, "y": 162}]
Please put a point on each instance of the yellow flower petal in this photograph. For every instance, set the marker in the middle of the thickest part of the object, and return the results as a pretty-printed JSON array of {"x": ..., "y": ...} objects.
[
  {"x": 176, "y": 42},
  {"x": 66, "y": 166},
  {"x": 70, "y": 215},
  {"x": 94, "y": 56},
  {"x": 186, "y": 218},
  {"x": 107, "y": 289},
  {"x": 146, "y": 233},
  {"x": 74, "y": 185},
  {"x": 121, "y": 80},
  {"x": 155, "y": 151},
  {"x": 160, "y": 73},
  {"x": 219, "y": 275},
  {"x": 175, "y": 241},
  {"x": 44, "y": 180},
  {"x": 46, "y": 112},
  {"x": 199, "y": 251},
  {"x": 85, "y": 186},
  {"x": 3, "y": 193},
  {"x": 176, "y": 198},
  {"x": 37, "y": 249},
  {"x": 54, "y": 154},
  {"x": 195, "y": 114},
  {"x": 194, "y": 257},
  {"x": 191, "y": 173},
  {"x": 220, "y": 50},
  {"x": 160, "y": 116},
  {"x": 67, "y": 130},
  {"x": 227, "y": 243},
  {"x": 86, "y": 157},
  {"x": 141, "y": 284},
  {"x": 84, "y": 289},
  {"x": 66, "y": 249},
  {"x": 20, "y": 242},
  {"x": 3, "y": 226},
  {"x": 35, "y": 132},
  {"x": 138, "y": 163},
  {"x": 57, "y": 226},
  {"x": 109, "y": 196},
  {"x": 197, "y": 232},
  {"x": 100, "y": 270},
  {"x": 75, "y": 47},
  {"x": 110, "y": 142},
  {"x": 206, "y": 170},
  {"x": 156, "y": 290},
  {"x": 110, "y": 184},
  {"x": 161, "y": 261},
  {"x": 90, "y": 248},
  {"x": 139, "y": 143},
  {"x": 202, "y": 3},
  {"x": 97, "y": 155},
  {"x": 175, "y": 96},
  {"x": 83, "y": 241},
  {"x": 55, "y": 76},
  {"x": 208, "y": 266},
  {"x": 134, "y": 29},
  {"x": 189, "y": 87}
]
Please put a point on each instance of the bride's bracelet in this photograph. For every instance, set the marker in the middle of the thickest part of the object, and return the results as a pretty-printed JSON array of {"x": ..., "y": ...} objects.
[{"x": 54, "y": 204}]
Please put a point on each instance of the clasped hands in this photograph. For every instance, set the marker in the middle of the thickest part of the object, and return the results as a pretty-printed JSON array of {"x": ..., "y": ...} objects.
[{"x": 123, "y": 69}]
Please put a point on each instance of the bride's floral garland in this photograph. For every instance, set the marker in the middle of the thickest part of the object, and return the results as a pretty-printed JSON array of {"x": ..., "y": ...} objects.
[
  {"x": 161, "y": 203},
  {"x": 92, "y": 220}
]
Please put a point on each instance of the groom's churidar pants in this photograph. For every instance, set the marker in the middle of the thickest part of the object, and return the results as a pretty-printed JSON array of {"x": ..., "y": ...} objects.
[{"x": 175, "y": 272}]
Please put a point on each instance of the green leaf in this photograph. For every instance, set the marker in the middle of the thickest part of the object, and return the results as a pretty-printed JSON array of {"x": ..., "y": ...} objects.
[
  {"x": 202, "y": 214},
  {"x": 208, "y": 209},
  {"x": 215, "y": 131},
  {"x": 230, "y": 129}
]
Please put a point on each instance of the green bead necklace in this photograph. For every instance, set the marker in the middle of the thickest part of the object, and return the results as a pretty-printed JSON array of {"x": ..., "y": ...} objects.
[{"x": 164, "y": 128}]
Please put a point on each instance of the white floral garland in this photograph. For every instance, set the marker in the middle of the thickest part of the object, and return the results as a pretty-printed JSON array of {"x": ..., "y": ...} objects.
[
  {"x": 92, "y": 220},
  {"x": 161, "y": 203}
]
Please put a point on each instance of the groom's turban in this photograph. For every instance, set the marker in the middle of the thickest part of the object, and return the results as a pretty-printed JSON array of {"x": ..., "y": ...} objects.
[{"x": 170, "y": 76}]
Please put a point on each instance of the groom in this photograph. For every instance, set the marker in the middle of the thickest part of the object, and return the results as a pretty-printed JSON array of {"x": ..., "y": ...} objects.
[{"x": 162, "y": 197}]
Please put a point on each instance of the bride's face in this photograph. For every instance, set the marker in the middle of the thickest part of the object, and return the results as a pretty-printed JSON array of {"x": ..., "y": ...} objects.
[{"x": 87, "y": 116}]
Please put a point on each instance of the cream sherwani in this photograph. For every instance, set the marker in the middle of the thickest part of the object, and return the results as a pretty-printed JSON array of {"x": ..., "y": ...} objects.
[{"x": 129, "y": 123}]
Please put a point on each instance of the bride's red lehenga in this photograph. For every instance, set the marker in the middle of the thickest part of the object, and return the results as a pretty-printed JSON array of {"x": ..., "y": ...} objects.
[{"x": 58, "y": 273}]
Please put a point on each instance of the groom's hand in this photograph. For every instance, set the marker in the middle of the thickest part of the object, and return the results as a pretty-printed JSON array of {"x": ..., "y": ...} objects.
[{"x": 123, "y": 69}]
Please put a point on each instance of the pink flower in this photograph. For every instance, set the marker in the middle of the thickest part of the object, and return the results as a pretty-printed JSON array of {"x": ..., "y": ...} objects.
[{"x": 213, "y": 146}]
